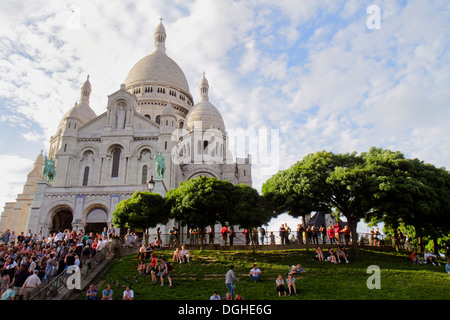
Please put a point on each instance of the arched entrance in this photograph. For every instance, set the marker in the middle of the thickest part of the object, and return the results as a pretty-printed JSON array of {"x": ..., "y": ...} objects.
[
  {"x": 96, "y": 220},
  {"x": 62, "y": 220}
]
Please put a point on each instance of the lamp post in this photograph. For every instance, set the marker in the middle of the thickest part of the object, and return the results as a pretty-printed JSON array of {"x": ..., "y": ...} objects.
[
  {"x": 151, "y": 184},
  {"x": 150, "y": 187}
]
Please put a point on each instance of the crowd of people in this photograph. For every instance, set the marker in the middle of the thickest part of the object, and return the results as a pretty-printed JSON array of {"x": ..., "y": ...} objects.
[{"x": 28, "y": 261}]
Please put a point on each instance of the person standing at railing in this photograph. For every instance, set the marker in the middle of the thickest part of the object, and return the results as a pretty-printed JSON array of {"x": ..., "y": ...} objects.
[
  {"x": 346, "y": 233},
  {"x": 300, "y": 233},
  {"x": 323, "y": 232},
  {"x": 330, "y": 233},
  {"x": 262, "y": 234},
  {"x": 211, "y": 235},
  {"x": 232, "y": 235},
  {"x": 224, "y": 232},
  {"x": 337, "y": 231},
  {"x": 282, "y": 234}
]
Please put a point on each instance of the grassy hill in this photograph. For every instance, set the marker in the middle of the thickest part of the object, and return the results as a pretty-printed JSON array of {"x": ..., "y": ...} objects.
[{"x": 400, "y": 279}]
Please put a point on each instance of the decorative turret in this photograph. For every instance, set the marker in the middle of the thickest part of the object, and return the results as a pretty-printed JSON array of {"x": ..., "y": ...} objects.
[
  {"x": 160, "y": 38},
  {"x": 86, "y": 91},
  {"x": 204, "y": 112},
  {"x": 204, "y": 88}
]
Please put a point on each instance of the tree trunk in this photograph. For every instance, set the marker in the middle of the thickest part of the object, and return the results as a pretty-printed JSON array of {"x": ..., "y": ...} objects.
[
  {"x": 202, "y": 233},
  {"x": 352, "y": 225},
  {"x": 436, "y": 247},
  {"x": 395, "y": 243}
]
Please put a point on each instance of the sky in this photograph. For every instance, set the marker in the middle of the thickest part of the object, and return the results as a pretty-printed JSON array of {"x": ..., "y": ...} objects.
[{"x": 307, "y": 76}]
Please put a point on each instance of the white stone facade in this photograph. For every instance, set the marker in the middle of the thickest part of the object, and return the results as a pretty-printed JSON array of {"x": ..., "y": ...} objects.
[{"x": 102, "y": 160}]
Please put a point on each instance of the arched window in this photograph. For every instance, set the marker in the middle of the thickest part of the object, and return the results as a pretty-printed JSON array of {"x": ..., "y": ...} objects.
[
  {"x": 86, "y": 176},
  {"x": 115, "y": 163},
  {"x": 158, "y": 119},
  {"x": 144, "y": 174}
]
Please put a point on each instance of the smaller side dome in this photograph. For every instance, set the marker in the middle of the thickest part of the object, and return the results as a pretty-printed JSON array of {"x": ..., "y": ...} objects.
[{"x": 204, "y": 111}]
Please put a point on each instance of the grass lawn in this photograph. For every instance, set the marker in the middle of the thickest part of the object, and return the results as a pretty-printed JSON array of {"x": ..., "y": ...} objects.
[{"x": 400, "y": 279}]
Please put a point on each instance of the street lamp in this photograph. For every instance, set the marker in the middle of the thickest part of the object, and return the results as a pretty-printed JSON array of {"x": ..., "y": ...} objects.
[{"x": 151, "y": 184}]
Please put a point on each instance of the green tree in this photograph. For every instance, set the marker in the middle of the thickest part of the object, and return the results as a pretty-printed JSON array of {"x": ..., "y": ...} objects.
[
  {"x": 143, "y": 210},
  {"x": 250, "y": 210},
  {"x": 202, "y": 202},
  {"x": 321, "y": 182},
  {"x": 300, "y": 189},
  {"x": 410, "y": 192}
]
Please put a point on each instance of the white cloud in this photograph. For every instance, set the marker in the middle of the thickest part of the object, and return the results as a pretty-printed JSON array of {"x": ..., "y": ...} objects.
[
  {"x": 309, "y": 68},
  {"x": 32, "y": 136},
  {"x": 13, "y": 170}
]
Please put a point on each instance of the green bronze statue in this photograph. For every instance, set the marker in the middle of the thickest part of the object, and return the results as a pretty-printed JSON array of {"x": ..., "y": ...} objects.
[
  {"x": 159, "y": 165},
  {"x": 48, "y": 171}
]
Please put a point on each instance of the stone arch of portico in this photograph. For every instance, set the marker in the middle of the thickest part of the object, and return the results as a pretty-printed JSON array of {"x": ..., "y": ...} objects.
[
  {"x": 205, "y": 172},
  {"x": 59, "y": 206},
  {"x": 97, "y": 226},
  {"x": 96, "y": 204}
]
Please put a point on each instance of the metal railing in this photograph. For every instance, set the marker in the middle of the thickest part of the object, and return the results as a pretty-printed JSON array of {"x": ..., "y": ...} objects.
[
  {"x": 51, "y": 289},
  {"x": 270, "y": 238}
]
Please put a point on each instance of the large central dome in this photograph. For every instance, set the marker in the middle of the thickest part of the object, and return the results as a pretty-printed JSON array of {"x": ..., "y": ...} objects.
[{"x": 157, "y": 67}]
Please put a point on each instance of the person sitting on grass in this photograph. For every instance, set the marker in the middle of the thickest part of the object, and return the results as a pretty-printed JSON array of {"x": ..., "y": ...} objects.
[
  {"x": 184, "y": 254},
  {"x": 331, "y": 257},
  {"x": 430, "y": 258},
  {"x": 447, "y": 267},
  {"x": 176, "y": 256},
  {"x": 341, "y": 254},
  {"x": 215, "y": 296},
  {"x": 415, "y": 258},
  {"x": 91, "y": 293},
  {"x": 255, "y": 273},
  {"x": 280, "y": 285},
  {"x": 238, "y": 297},
  {"x": 319, "y": 254},
  {"x": 296, "y": 269},
  {"x": 290, "y": 281},
  {"x": 128, "y": 294},
  {"x": 141, "y": 267},
  {"x": 228, "y": 296}
]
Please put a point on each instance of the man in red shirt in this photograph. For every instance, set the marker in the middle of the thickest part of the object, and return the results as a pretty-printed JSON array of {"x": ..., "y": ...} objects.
[{"x": 224, "y": 233}]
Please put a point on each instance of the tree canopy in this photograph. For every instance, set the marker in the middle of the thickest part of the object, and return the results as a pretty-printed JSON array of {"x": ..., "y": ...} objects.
[
  {"x": 142, "y": 210},
  {"x": 376, "y": 186}
]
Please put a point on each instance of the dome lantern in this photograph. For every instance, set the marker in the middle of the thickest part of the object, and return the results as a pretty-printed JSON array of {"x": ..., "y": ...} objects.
[
  {"x": 204, "y": 87},
  {"x": 160, "y": 37}
]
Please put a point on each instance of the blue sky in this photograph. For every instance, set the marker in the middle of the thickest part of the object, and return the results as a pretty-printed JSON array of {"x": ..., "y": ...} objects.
[{"x": 312, "y": 70}]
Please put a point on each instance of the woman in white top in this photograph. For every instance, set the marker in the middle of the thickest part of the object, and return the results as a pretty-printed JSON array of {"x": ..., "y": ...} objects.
[{"x": 280, "y": 285}]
